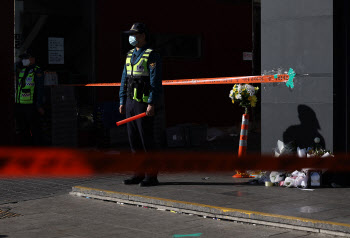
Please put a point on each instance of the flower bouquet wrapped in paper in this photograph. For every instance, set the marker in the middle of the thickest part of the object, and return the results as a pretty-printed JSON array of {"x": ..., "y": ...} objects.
[
  {"x": 315, "y": 151},
  {"x": 283, "y": 149},
  {"x": 245, "y": 95}
]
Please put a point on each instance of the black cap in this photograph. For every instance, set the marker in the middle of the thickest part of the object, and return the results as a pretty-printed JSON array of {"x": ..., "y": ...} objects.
[
  {"x": 27, "y": 54},
  {"x": 137, "y": 28}
]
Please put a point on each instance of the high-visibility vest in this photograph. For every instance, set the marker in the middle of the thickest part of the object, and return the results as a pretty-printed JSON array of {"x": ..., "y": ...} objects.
[
  {"x": 26, "y": 86},
  {"x": 139, "y": 71}
]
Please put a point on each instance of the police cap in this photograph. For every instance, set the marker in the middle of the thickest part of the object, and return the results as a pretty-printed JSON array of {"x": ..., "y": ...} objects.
[
  {"x": 27, "y": 54},
  {"x": 137, "y": 28}
]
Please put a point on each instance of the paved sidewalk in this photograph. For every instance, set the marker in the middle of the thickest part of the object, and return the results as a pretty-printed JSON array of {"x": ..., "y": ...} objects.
[
  {"x": 13, "y": 190},
  {"x": 323, "y": 210},
  {"x": 65, "y": 216}
]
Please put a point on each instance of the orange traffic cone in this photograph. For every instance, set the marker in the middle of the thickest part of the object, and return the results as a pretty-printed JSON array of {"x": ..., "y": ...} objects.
[{"x": 242, "y": 150}]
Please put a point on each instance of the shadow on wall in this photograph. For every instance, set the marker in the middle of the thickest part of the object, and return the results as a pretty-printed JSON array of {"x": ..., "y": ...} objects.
[{"x": 303, "y": 135}]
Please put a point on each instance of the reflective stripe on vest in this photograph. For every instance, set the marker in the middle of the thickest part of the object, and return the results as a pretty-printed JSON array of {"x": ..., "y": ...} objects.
[
  {"x": 25, "y": 93},
  {"x": 140, "y": 68},
  {"x": 143, "y": 99}
]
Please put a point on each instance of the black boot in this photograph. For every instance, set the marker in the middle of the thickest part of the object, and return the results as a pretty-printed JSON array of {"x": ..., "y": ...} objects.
[
  {"x": 147, "y": 182},
  {"x": 133, "y": 180}
]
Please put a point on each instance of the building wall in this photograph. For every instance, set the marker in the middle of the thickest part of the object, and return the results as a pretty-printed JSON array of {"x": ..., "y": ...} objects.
[
  {"x": 7, "y": 68},
  {"x": 297, "y": 34},
  {"x": 341, "y": 82},
  {"x": 226, "y": 30},
  {"x": 70, "y": 20}
]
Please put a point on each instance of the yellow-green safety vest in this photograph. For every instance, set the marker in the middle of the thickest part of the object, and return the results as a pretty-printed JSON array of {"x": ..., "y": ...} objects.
[
  {"x": 25, "y": 90},
  {"x": 138, "y": 70}
]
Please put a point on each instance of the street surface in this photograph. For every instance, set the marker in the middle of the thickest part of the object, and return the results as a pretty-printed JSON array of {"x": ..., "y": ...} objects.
[{"x": 36, "y": 208}]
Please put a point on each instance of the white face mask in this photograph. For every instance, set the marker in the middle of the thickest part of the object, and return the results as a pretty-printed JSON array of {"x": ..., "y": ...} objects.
[
  {"x": 132, "y": 40},
  {"x": 25, "y": 62}
]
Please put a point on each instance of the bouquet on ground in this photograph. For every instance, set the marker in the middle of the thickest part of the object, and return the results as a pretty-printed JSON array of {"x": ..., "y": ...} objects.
[
  {"x": 284, "y": 149},
  {"x": 315, "y": 151},
  {"x": 245, "y": 95},
  {"x": 307, "y": 176}
]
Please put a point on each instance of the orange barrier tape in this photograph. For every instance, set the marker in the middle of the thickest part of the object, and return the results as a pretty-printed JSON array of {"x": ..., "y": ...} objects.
[
  {"x": 230, "y": 80},
  {"x": 226, "y": 80},
  {"x": 24, "y": 162},
  {"x": 92, "y": 85}
]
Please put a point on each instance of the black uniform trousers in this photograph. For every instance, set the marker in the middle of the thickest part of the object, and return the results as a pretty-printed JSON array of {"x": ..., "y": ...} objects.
[
  {"x": 28, "y": 124},
  {"x": 140, "y": 132}
]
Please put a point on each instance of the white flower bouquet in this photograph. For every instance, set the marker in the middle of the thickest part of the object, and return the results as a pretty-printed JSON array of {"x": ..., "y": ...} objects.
[
  {"x": 316, "y": 151},
  {"x": 245, "y": 95}
]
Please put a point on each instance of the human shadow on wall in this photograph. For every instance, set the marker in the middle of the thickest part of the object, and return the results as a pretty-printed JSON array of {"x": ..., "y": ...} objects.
[{"x": 303, "y": 135}]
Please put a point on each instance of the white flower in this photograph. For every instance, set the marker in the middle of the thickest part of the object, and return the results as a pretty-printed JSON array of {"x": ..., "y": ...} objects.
[
  {"x": 238, "y": 96},
  {"x": 231, "y": 94},
  {"x": 317, "y": 140},
  {"x": 239, "y": 88},
  {"x": 250, "y": 89},
  {"x": 301, "y": 152}
]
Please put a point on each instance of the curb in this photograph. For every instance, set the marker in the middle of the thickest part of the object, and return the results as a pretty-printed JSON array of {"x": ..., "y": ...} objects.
[{"x": 267, "y": 219}]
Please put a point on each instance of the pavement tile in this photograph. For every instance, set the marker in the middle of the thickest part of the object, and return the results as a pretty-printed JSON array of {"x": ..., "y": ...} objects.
[
  {"x": 35, "y": 233},
  {"x": 63, "y": 236},
  {"x": 297, "y": 234},
  {"x": 311, "y": 212},
  {"x": 23, "y": 189},
  {"x": 141, "y": 234},
  {"x": 36, "y": 221},
  {"x": 93, "y": 230},
  {"x": 20, "y": 222},
  {"x": 316, "y": 235},
  {"x": 340, "y": 218},
  {"x": 227, "y": 230}
]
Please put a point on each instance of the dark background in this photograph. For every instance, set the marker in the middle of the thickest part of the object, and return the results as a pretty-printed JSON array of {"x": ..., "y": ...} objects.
[
  {"x": 223, "y": 29},
  {"x": 341, "y": 76}
]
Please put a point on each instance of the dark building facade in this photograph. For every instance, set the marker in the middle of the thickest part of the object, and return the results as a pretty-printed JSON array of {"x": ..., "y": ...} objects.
[
  {"x": 196, "y": 39},
  {"x": 200, "y": 39}
]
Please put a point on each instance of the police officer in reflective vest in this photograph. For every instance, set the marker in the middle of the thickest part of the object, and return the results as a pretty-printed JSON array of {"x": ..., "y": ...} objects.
[
  {"x": 140, "y": 91},
  {"x": 29, "y": 100}
]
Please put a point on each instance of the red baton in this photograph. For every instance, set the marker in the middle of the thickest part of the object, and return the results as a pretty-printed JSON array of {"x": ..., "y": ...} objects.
[{"x": 130, "y": 119}]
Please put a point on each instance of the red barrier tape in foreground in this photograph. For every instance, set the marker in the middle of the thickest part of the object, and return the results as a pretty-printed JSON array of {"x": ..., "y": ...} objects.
[
  {"x": 24, "y": 162},
  {"x": 224, "y": 80}
]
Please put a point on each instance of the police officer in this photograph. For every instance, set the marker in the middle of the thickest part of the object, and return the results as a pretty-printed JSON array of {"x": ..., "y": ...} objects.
[
  {"x": 29, "y": 100},
  {"x": 140, "y": 91}
]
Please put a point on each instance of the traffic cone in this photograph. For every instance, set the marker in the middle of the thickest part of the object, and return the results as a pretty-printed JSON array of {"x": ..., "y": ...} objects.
[{"x": 242, "y": 150}]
